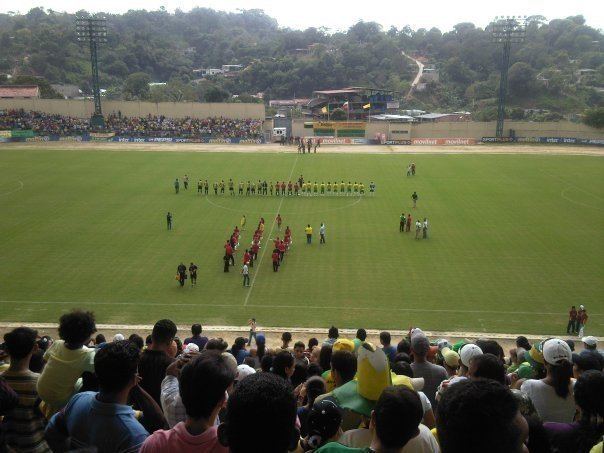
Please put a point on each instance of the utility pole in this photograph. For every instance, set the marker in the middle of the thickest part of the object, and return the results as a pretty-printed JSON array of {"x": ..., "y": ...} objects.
[
  {"x": 507, "y": 31},
  {"x": 94, "y": 32}
]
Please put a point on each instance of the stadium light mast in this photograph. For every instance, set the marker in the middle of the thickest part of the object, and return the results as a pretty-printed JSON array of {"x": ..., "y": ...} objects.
[
  {"x": 507, "y": 31},
  {"x": 94, "y": 32}
]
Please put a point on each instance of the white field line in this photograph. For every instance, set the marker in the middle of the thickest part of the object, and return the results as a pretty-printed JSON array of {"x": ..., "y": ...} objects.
[
  {"x": 270, "y": 235},
  {"x": 21, "y": 185},
  {"x": 308, "y": 330},
  {"x": 289, "y": 307}
]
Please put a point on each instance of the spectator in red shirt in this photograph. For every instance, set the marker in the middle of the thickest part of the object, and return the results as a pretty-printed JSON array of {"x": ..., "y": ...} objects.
[{"x": 572, "y": 326}]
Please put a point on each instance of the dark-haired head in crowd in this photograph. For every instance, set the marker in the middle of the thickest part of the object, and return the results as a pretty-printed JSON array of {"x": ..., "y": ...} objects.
[
  {"x": 389, "y": 350},
  {"x": 196, "y": 337},
  {"x": 259, "y": 401},
  {"x": 66, "y": 360},
  {"x": 24, "y": 425},
  {"x": 404, "y": 346},
  {"x": 312, "y": 388},
  {"x": 332, "y": 335},
  {"x": 156, "y": 358},
  {"x": 102, "y": 420},
  {"x": 283, "y": 365},
  {"x": 343, "y": 367},
  {"x": 238, "y": 350},
  {"x": 325, "y": 357},
  {"x": 492, "y": 412},
  {"x": 487, "y": 366},
  {"x": 203, "y": 386},
  {"x": 137, "y": 340},
  {"x": 217, "y": 344}
]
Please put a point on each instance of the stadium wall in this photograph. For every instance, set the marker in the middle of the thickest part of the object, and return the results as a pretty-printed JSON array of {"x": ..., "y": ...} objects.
[
  {"x": 468, "y": 129},
  {"x": 84, "y": 108}
]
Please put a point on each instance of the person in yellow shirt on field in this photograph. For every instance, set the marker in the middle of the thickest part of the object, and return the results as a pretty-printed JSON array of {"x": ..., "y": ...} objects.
[
  {"x": 243, "y": 222},
  {"x": 308, "y": 231},
  {"x": 342, "y": 186},
  {"x": 322, "y": 188},
  {"x": 329, "y": 187},
  {"x": 349, "y": 188},
  {"x": 362, "y": 188},
  {"x": 356, "y": 187}
]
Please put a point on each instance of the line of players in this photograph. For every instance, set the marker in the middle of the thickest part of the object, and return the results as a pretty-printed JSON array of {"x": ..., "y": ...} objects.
[
  {"x": 251, "y": 254},
  {"x": 280, "y": 188}
]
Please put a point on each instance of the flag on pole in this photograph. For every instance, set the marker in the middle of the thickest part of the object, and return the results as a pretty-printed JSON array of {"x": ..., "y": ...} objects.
[
  {"x": 367, "y": 106},
  {"x": 324, "y": 110},
  {"x": 345, "y": 105}
]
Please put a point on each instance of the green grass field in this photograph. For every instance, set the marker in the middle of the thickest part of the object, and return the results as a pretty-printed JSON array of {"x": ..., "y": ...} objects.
[{"x": 514, "y": 240}]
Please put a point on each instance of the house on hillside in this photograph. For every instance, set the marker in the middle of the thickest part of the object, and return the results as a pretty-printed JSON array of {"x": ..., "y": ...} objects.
[
  {"x": 67, "y": 91},
  {"x": 444, "y": 117},
  {"x": 19, "y": 92}
]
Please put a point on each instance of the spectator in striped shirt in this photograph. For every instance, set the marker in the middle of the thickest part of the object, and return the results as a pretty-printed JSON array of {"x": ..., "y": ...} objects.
[{"x": 24, "y": 424}]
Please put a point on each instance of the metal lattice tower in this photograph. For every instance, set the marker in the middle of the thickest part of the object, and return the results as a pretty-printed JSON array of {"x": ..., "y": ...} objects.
[
  {"x": 94, "y": 32},
  {"x": 507, "y": 31}
]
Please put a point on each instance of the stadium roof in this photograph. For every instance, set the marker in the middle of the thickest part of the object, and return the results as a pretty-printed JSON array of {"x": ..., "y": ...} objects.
[
  {"x": 388, "y": 117},
  {"x": 19, "y": 91},
  {"x": 342, "y": 91}
]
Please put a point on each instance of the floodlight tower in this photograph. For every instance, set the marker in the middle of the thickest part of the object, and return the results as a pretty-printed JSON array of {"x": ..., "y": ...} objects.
[
  {"x": 94, "y": 32},
  {"x": 507, "y": 31}
]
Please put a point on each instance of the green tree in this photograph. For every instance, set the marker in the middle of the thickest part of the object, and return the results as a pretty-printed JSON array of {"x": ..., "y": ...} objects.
[
  {"x": 594, "y": 117},
  {"x": 215, "y": 94},
  {"x": 136, "y": 86},
  {"x": 521, "y": 79}
]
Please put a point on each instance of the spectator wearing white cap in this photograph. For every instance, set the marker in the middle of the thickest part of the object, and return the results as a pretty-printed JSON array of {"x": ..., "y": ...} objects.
[
  {"x": 118, "y": 337},
  {"x": 467, "y": 353},
  {"x": 553, "y": 395},
  {"x": 590, "y": 343}
]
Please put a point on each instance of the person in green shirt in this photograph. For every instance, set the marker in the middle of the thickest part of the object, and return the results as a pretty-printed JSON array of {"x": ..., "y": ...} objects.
[
  {"x": 176, "y": 186},
  {"x": 403, "y": 222},
  {"x": 394, "y": 422}
]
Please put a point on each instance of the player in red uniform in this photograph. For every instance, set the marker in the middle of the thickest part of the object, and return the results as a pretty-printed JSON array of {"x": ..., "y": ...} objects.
[
  {"x": 275, "y": 261},
  {"x": 289, "y": 188},
  {"x": 279, "y": 221},
  {"x": 283, "y": 188},
  {"x": 281, "y": 248},
  {"x": 247, "y": 258},
  {"x": 408, "y": 223}
]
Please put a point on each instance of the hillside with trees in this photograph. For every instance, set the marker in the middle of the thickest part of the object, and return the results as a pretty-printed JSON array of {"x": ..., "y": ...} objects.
[{"x": 157, "y": 46}]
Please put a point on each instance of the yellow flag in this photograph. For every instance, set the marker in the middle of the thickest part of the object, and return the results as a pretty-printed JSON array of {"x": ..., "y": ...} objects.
[
  {"x": 367, "y": 106},
  {"x": 324, "y": 110}
]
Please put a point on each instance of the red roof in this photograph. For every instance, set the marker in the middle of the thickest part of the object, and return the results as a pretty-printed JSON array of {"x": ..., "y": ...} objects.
[{"x": 19, "y": 91}]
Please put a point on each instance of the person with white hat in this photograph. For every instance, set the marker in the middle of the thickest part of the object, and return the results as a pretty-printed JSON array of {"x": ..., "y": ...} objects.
[
  {"x": 553, "y": 395},
  {"x": 590, "y": 342}
]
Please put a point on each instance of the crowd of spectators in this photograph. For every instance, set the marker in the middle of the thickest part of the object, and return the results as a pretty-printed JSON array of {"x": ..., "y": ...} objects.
[
  {"x": 148, "y": 126},
  {"x": 333, "y": 395}
]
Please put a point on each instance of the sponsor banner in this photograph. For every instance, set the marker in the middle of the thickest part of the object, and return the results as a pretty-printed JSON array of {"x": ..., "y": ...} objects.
[
  {"x": 397, "y": 142},
  {"x": 547, "y": 140},
  {"x": 392, "y": 104},
  {"x": 343, "y": 141},
  {"x": 498, "y": 139},
  {"x": 443, "y": 141},
  {"x": 73, "y": 138},
  {"x": 43, "y": 138},
  {"x": 17, "y": 133},
  {"x": 101, "y": 135},
  {"x": 4, "y": 139},
  {"x": 221, "y": 141},
  {"x": 5, "y": 134},
  {"x": 335, "y": 125}
]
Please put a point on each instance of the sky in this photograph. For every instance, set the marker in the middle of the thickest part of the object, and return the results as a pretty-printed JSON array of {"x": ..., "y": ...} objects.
[{"x": 339, "y": 15}]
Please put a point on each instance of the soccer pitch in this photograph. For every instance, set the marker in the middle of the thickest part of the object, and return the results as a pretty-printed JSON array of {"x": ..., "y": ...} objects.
[{"x": 514, "y": 240}]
